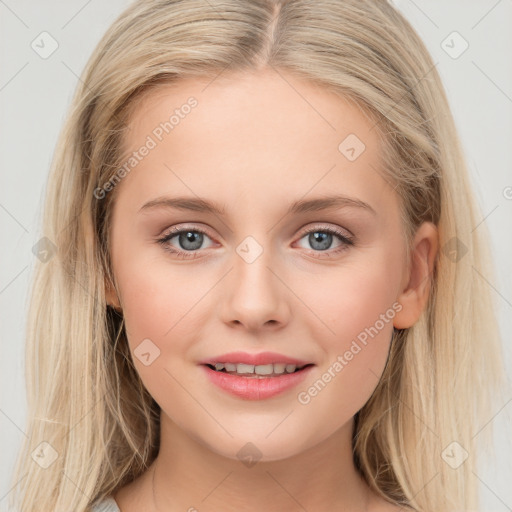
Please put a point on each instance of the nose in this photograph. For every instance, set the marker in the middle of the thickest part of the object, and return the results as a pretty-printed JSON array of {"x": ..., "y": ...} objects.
[{"x": 255, "y": 295}]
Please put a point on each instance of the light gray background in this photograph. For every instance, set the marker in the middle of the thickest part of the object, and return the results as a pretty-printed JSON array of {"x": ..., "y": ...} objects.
[{"x": 35, "y": 94}]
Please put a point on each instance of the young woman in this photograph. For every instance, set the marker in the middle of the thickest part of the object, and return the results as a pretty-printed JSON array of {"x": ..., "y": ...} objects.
[{"x": 262, "y": 293}]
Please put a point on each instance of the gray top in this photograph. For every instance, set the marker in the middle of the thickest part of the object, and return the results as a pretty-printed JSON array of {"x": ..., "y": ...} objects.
[{"x": 106, "y": 505}]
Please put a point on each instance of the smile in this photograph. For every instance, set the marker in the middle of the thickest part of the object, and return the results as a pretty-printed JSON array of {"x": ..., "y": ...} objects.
[
  {"x": 247, "y": 382},
  {"x": 251, "y": 370}
]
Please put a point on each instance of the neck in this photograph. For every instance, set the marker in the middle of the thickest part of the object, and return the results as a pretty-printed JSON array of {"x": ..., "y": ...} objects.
[{"x": 187, "y": 475}]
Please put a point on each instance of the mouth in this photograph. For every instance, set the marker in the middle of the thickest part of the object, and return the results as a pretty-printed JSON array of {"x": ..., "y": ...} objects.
[
  {"x": 256, "y": 382},
  {"x": 270, "y": 370}
]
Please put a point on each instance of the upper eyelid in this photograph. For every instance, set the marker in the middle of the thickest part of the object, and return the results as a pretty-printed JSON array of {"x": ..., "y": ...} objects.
[
  {"x": 174, "y": 230},
  {"x": 320, "y": 226}
]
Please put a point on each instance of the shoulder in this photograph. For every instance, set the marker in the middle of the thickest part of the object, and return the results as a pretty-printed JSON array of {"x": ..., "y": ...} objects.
[{"x": 106, "y": 505}]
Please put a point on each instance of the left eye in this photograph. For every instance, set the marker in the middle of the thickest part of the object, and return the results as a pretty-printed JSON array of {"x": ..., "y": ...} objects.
[
  {"x": 191, "y": 240},
  {"x": 321, "y": 239}
]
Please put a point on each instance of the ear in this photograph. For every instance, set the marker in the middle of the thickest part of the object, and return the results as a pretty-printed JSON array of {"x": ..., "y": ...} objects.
[
  {"x": 111, "y": 295},
  {"x": 418, "y": 277}
]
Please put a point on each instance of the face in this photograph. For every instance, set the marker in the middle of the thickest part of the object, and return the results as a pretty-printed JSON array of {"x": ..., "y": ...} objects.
[{"x": 321, "y": 284}]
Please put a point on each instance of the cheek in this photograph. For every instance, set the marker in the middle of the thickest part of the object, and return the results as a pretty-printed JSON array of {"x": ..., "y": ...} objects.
[
  {"x": 352, "y": 297},
  {"x": 155, "y": 293},
  {"x": 160, "y": 309},
  {"x": 353, "y": 324}
]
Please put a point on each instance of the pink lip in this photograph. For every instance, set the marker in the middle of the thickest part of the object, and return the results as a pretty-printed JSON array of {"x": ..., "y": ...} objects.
[
  {"x": 254, "y": 388},
  {"x": 255, "y": 359}
]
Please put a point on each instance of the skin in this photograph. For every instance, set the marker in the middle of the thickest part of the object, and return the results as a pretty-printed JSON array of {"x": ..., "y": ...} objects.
[{"x": 254, "y": 144}]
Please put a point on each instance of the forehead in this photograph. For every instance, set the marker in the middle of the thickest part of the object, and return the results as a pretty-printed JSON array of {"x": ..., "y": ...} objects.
[
  {"x": 252, "y": 133},
  {"x": 255, "y": 105}
]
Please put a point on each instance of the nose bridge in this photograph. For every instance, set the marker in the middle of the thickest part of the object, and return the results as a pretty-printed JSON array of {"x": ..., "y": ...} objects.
[
  {"x": 252, "y": 274},
  {"x": 255, "y": 294}
]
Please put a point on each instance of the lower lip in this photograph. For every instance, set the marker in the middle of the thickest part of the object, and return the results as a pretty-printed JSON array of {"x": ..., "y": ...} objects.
[{"x": 253, "y": 388}]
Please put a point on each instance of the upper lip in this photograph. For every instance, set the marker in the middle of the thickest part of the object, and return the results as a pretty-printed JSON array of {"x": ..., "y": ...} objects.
[{"x": 255, "y": 359}]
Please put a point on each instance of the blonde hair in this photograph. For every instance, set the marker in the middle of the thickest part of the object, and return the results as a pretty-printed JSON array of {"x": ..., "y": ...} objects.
[{"x": 85, "y": 397}]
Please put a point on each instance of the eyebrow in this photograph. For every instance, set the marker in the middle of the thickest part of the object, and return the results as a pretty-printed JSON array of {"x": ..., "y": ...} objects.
[{"x": 301, "y": 206}]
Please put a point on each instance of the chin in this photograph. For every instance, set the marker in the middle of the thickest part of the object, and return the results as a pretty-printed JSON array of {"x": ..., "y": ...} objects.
[{"x": 250, "y": 449}]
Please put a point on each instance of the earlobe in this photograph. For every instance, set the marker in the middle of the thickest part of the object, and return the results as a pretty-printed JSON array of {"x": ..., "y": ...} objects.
[
  {"x": 111, "y": 296},
  {"x": 414, "y": 296}
]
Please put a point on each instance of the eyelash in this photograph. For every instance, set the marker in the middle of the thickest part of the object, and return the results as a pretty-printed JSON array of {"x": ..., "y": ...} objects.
[{"x": 346, "y": 241}]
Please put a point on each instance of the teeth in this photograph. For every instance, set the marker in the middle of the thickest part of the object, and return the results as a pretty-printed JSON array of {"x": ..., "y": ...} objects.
[
  {"x": 262, "y": 369},
  {"x": 244, "y": 368},
  {"x": 279, "y": 367}
]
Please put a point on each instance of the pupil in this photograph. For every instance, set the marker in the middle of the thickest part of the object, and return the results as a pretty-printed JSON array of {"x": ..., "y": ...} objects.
[
  {"x": 318, "y": 236},
  {"x": 188, "y": 237}
]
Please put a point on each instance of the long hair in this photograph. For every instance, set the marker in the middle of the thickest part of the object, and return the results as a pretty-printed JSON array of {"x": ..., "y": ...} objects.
[{"x": 92, "y": 426}]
